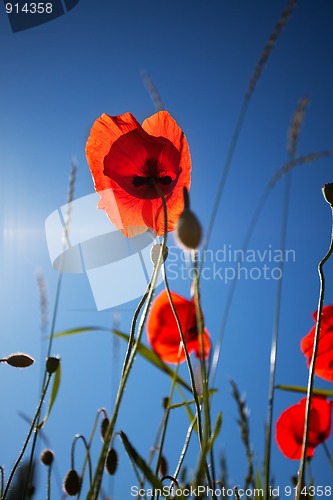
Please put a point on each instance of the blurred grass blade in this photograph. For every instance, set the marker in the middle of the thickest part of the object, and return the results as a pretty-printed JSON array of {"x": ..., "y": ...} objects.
[
  {"x": 208, "y": 446},
  {"x": 140, "y": 463},
  {"x": 144, "y": 351},
  {"x": 54, "y": 393},
  {"x": 191, "y": 402},
  {"x": 303, "y": 390}
]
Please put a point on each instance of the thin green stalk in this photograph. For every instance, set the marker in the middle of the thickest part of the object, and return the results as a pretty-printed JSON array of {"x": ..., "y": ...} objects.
[
  {"x": 49, "y": 482},
  {"x": 276, "y": 323},
  {"x": 92, "y": 435},
  {"x": 188, "y": 360},
  {"x": 54, "y": 317},
  {"x": 185, "y": 447},
  {"x": 329, "y": 456},
  {"x": 32, "y": 428},
  {"x": 204, "y": 377},
  {"x": 94, "y": 491},
  {"x": 166, "y": 419},
  {"x": 301, "y": 471},
  {"x": 87, "y": 448}
]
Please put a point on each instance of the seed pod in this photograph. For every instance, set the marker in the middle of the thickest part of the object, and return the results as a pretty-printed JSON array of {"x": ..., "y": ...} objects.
[
  {"x": 72, "y": 483},
  {"x": 47, "y": 457},
  {"x": 52, "y": 364},
  {"x": 327, "y": 190},
  {"x": 111, "y": 462},
  {"x": 19, "y": 360},
  {"x": 104, "y": 426},
  {"x": 188, "y": 230},
  {"x": 155, "y": 253}
]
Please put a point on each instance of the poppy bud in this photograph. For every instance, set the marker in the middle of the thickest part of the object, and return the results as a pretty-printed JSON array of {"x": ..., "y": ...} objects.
[
  {"x": 111, "y": 462},
  {"x": 155, "y": 253},
  {"x": 52, "y": 364},
  {"x": 72, "y": 483},
  {"x": 47, "y": 457},
  {"x": 163, "y": 466},
  {"x": 165, "y": 402},
  {"x": 19, "y": 360},
  {"x": 327, "y": 190},
  {"x": 104, "y": 427},
  {"x": 188, "y": 230}
]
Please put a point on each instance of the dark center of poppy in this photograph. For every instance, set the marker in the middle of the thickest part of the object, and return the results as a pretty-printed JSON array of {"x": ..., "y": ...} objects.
[{"x": 139, "y": 181}]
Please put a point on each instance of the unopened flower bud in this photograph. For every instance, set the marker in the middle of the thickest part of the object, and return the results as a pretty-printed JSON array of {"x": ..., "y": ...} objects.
[
  {"x": 104, "y": 427},
  {"x": 327, "y": 190},
  {"x": 47, "y": 457},
  {"x": 111, "y": 462},
  {"x": 155, "y": 253},
  {"x": 19, "y": 360},
  {"x": 52, "y": 364},
  {"x": 72, "y": 483},
  {"x": 188, "y": 230}
]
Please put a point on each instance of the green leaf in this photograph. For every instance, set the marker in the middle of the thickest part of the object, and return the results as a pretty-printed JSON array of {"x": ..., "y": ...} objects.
[
  {"x": 304, "y": 390},
  {"x": 140, "y": 462},
  {"x": 144, "y": 351},
  {"x": 55, "y": 389}
]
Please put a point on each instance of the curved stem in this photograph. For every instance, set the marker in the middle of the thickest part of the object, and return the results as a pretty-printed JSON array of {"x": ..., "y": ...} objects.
[
  {"x": 275, "y": 335},
  {"x": 204, "y": 377},
  {"x": 301, "y": 471},
  {"x": 94, "y": 490},
  {"x": 32, "y": 428}
]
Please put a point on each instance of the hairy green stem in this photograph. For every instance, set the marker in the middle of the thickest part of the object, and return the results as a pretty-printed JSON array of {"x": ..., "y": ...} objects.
[{"x": 301, "y": 471}]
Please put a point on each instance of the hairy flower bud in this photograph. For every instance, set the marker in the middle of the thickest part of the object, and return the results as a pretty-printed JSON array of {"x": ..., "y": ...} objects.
[
  {"x": 19, "y": 360},
  {"x": 52, "y": 364},
  {"x": 188, "y": 230},
  {"x": 104, "y": 427},
  {"x": 47, "y": 457},
  {"x": 111, "y": 462},
  {"x": 155, "y": 253},
  {"x": 72, "y": 483}
]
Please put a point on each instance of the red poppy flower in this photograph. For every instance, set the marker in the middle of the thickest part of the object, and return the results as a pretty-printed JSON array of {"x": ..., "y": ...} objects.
[
  {"x": 126, "y": 159},
  {"x": 163, "y": 333},
  {"x": 324, "y": 361},
  {"x": 290, "y": 427}
]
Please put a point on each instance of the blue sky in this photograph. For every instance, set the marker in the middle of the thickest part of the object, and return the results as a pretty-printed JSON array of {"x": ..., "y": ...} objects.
[{"x": 56, "y": 80}]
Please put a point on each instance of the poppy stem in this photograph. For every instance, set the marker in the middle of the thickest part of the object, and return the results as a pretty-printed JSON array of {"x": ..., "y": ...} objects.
[
  {"x": 204, "y": 376},
  {"x": 146, "y": 299},
  {"x": 301, "y": 471}
]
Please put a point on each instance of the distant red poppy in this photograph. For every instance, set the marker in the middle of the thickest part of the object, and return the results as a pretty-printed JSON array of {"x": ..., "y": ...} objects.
[
  {"x": 324, "y": 361},
  {"x": 163, "y": 333},
  {"x": 126, "y": 159},
  {"x": 290, "y": 427}
]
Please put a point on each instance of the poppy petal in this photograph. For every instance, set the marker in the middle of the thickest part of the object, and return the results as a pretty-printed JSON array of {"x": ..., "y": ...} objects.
[
  {"x": 324, "y": 361},
  {"x": 129, "y": 159},
  {"x": 290, "y": 427},
  {"x": 162, "y": 331},
  {"x": 103, "y": 134}
]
